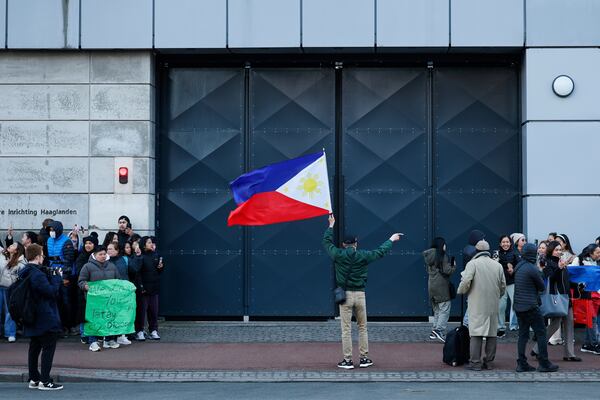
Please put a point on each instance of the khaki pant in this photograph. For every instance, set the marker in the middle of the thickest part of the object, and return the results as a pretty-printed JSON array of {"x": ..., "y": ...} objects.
[{"x": 355, "y": 301}]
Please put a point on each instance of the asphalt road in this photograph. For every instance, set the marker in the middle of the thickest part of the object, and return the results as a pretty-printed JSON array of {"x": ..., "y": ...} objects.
[{"x": 290, "y": 391}]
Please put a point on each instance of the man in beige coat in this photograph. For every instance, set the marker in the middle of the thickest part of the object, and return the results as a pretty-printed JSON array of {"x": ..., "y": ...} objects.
[{"x": 483, "y": 281}]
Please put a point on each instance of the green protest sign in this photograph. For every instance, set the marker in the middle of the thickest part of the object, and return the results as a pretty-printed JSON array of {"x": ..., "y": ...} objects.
[{"x": 110, "y": 308}]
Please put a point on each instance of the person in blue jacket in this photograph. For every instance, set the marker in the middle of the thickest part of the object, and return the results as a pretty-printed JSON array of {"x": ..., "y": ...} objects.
[
  {"x": 61, "y": 254},
  {"x": 45, "y": 330}
]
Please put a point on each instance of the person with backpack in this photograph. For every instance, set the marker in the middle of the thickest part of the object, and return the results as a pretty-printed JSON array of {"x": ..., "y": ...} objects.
[
  {"x": 43, "y": 287},
  {"x": 351, "y": 269},
  {"x": 439, "y": 268},
  {"x": 483, "y": 281},
  {"x": 9, "y": 272}
]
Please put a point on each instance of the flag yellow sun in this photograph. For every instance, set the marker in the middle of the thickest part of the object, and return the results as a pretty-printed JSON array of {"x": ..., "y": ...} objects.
[{"x": 309, "y": 185}]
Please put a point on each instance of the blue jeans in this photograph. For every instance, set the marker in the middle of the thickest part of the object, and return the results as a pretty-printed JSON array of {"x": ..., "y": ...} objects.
[
  {"x": 591, "y": 334},
  {"x": 10, "y": 327}
]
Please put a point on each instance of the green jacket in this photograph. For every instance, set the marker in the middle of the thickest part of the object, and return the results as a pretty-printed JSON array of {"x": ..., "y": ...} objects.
[{"x": 354, "y": 260}]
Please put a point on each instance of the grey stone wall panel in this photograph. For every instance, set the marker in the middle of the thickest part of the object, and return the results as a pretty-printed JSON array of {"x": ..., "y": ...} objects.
[
  {"x": 43, "y": 175},
  {"x": 2, "y": 23},
  {"x": 542, "y": 66},
  {"x": 487, "y": 23},
  {"x": 338, "y": 23},
  {"x": 563, "y": 23},
  {"x": 264, "y": 23},
  {"x": 181, "y": 24},
  {"x": 409, "y": 23},
  {"x": 141, "y": 175},
  {"x": 106, "y": 208},
  {"x": 44, "y": 67},
  {"x": 44, "y": 102},
  {"x": 102, "y": 175},
  {"x": 581, "y": 222},
  {"x": 121, "y": 67},
  {"x": 27, "y": 211},
  {"x": 116, "y": 24},
  {"x": 43, "y": 24},
  {"x": 121, "y": 138},
  {"x": 121, "y": 102},
  {"x": 578, "y": 175},
  {"x": 41, "y": 138}
]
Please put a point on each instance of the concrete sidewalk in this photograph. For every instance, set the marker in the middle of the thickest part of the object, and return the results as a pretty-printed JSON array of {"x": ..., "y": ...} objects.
[{"x": 279, "y": 352}]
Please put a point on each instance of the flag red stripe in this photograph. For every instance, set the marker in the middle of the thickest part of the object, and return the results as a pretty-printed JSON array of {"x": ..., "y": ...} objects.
[{"x": 271, "y": 208}]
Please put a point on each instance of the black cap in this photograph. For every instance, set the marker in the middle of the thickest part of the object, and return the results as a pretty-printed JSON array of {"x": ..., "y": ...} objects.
[
  {"x": 91, "y": 239},
  {"x": 350, "y": 239}
]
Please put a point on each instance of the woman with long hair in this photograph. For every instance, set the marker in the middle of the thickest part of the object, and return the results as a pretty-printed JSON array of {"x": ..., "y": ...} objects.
[
  {"x": 439, "y": 268},
  {"x": 11, "y": 262},
  {"x": 559, "y": 282},
  {"x": 568, "y": 255},
  {"x": 508, "y": 259}
]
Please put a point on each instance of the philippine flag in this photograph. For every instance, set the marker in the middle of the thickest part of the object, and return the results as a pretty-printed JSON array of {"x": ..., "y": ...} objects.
[{"x": 285, "y": 191}]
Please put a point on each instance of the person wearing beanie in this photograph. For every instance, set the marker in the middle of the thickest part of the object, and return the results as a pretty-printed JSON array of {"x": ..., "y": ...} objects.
[
  {"x": 98, "y": 268},
  {"x": 519, "y": 241},
  {"x": 528, "y": 286},
  {"x": 483, "y": 281},
  {"x": 468, "y": 252}
]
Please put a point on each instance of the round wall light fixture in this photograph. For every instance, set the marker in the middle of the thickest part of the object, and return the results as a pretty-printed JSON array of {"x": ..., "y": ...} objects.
[{"x": 563, "y": 86}]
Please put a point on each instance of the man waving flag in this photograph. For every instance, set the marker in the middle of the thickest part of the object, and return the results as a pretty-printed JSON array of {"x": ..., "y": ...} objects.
[{"x": 285, "y": 191}]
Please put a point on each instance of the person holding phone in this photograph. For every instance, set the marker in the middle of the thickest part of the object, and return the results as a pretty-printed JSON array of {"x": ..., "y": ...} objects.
[
  {"x": 508, "y": 259},
  {"x": 151, "y": 267},
  {"x": 439, "y": 269}
]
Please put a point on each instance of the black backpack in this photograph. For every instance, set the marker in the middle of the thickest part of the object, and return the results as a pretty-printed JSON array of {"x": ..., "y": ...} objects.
[{"x": 21, "y": 304}]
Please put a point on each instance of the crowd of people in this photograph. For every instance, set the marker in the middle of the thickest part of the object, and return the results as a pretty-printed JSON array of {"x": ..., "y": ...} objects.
[
  {"x": 79, "y": 258},
  {"x": 517, "y": 271}
]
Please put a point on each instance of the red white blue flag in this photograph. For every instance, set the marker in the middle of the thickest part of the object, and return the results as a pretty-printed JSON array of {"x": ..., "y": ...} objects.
[{"x": 285, "y": 191}]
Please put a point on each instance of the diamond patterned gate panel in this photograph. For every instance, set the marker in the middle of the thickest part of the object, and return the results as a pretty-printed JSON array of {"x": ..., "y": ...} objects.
[
  {"x": 291, "y": 114},
  {"x": 477, "y": 154},
  {"x": 385, "y": 170},
  {"x": 201, "y": 151}
]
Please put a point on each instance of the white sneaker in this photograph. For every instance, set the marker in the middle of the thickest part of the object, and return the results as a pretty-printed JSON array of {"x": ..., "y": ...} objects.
[
  {"x": 12, "y": 339},
  {"x": 140, "y": 336},
  {"x": 154, "y": 335},
  {"x": 123, "y": 340},
  {"x": 94, "y": 346},
  {"x": 110, "y": 344},
  {"x": 33, "y": 384}
]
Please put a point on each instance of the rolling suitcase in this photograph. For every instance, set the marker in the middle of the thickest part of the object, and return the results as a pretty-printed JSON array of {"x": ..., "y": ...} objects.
[{"x": 456, "y": 348}]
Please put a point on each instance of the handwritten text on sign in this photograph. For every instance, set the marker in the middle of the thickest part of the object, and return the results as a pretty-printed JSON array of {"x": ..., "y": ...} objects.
[{"x": 110, "y": 308}]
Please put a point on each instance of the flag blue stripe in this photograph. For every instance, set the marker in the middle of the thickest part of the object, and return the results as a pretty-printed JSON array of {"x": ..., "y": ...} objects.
[
  {"x": 588, "y": 274},
  {"x": 270, "y": 177}
]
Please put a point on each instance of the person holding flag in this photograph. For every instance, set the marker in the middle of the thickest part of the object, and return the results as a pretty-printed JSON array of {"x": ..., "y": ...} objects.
[{"x": 351, "y": 275}]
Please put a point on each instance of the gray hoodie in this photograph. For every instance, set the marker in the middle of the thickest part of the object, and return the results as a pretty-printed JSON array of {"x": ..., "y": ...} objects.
[{"x": 94, "y": 271}]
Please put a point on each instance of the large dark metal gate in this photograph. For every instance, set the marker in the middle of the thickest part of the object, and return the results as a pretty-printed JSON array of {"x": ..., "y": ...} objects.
[{"x": 423, "y": 151}]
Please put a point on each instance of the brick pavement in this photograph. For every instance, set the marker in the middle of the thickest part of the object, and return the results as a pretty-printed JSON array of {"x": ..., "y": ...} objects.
[{"x": 236, "y": 352}]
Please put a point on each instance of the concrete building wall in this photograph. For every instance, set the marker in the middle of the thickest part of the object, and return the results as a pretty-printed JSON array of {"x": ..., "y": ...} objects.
[
  {"x": 561, "y": 138},
  {"x": 68, "y": 120}
]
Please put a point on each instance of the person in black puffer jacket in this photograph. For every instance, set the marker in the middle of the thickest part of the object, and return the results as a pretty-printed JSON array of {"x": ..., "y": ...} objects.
[
  {"x": 528, "y": 284},
  {"x": 559, "y": 282},
  {"x": 148, "y": 283}
]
